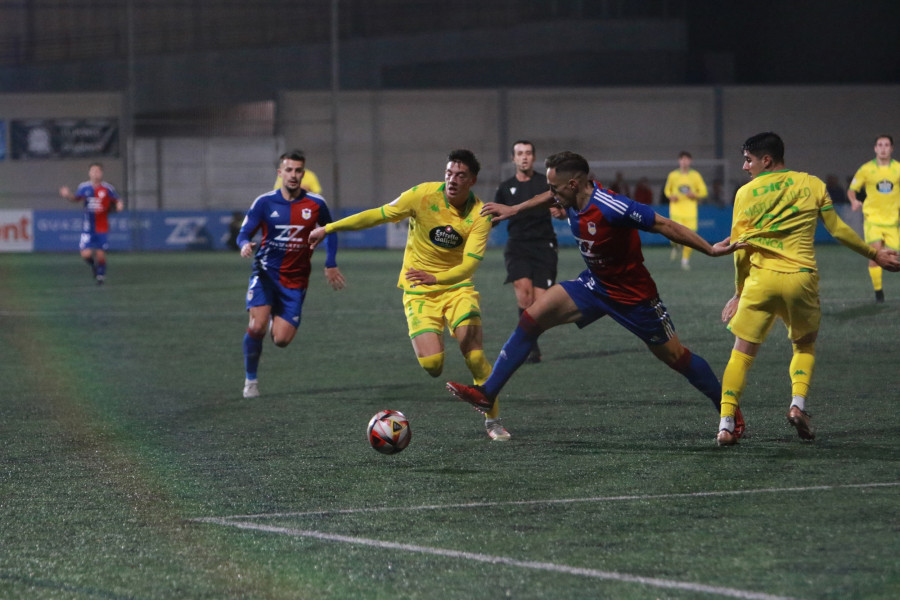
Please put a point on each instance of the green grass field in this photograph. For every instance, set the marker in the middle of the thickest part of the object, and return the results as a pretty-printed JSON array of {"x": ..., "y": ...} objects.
[{"x": 131, "y": 467}]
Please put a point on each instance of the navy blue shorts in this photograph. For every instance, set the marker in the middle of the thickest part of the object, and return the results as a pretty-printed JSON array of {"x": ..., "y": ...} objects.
[
  {"x": 286, "y": 303},
  {"x": 648, "y": 320}
]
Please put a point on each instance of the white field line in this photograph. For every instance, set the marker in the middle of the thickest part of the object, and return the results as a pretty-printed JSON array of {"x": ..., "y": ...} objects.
[
  {"x": 233, "y": 521},
  {"x": 502, "y": 560},
  {"x": 640, "y": 497}
]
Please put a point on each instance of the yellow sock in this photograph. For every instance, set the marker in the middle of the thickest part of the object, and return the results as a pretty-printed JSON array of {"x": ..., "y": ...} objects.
[
  {"x": 875, "y": 274},
  {"x": 433, "y": 364},
  {"x": 481, "y": 370},
  {"x": 686, "y": 252},
  {"x": 478, "y": 366},
  {"x": 733, "y": 381},
  {"x": 802, "y": 368}
]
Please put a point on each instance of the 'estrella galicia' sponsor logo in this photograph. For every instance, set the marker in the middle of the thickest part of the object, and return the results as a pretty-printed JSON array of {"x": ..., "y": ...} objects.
[{"x": 445, "y": 236}]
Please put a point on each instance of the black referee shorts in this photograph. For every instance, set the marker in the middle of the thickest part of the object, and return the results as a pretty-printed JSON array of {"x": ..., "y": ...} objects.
[{"x": 535, "y": 260}]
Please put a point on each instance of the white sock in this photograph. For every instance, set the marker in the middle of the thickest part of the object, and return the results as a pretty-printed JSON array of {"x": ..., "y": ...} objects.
[
  {"x": 799, "y": 402},
  {"x": 726, "y": 423}
]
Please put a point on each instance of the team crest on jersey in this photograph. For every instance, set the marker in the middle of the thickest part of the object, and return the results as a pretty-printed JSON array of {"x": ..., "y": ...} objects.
[
  {"x": 445, "y": 236},
  {"x": 592, "y": 228},
  {"x": 885, "y": 186},
  {"x": 306, "y": 213}
]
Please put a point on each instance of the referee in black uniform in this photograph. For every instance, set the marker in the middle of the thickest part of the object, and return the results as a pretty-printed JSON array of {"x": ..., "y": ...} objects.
[{"x": 531, "y": 250}]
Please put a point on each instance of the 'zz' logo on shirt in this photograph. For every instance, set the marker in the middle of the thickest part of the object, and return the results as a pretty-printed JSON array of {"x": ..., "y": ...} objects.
[{"x": 288, "y": 233}]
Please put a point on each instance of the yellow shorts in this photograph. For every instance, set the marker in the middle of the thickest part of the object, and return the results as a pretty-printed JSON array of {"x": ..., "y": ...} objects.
[
  {"x": 431, "y": 311},
  {"x": 689, "y": 220},
  {"x": 876, "y": 232},
  {"x": 768, "y": 294}
]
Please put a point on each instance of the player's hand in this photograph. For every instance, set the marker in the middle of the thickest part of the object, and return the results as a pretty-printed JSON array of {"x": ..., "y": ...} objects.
[
  {"x": 417, "y": 276},
  {"x": 887, "y": 259},
  {"x": 726, "y": 247},
  {"x": 557, "y": 211},
  {"x": 499, "y": 212},
  {"x": 855, "y": 205},
  {"x": 730, "y": 308},
  {"x": 65, "y": 191},
  {"x": 316, "y": 236},
  {"x": 334, "y": 278},
  {"x": 247, "y": 249}
]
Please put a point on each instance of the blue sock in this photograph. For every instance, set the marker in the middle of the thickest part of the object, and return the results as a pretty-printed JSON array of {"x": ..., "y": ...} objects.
[
  {"x": 252, "y": 352},
  {"x": 100, "y": 268},
  {"x": 700, "y": 375},
  {"x": 513, "y": 354}
]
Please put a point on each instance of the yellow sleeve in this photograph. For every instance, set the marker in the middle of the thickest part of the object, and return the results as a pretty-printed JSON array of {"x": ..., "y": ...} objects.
[
  {"x": 845, "y": 234},
  {"x": 397, "y": 210},
  {"x": 670, "y": 190},
  {"x": 277, "y": 183},
  {"x": 702, "y": 192},
  {"x": 472, "y": 257},
  {"x": 859, "y": 180}
]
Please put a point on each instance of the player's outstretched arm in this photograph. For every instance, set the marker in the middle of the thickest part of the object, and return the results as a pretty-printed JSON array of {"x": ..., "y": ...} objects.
[
  {"x": 501, "y": 212},
  {"x": 887, "y": 259},
  {"x": 680, "y": 234}
]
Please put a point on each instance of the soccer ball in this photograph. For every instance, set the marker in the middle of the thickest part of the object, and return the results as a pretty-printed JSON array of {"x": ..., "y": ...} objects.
[{"x": 389, "y": 432}]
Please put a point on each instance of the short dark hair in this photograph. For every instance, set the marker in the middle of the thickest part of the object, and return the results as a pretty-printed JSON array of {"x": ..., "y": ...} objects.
[
  {"x": 567, "y": 162},
  {"x": 100, "y": 164},
  {"x": 466, "y": 157},
  {"x": 294, "y": 154},
  {"x": 684, "y": 153},
  {"x": 765, "y": 143},
  {"x": 884, "y": 135},
  {"x": 517, "y": 142}
]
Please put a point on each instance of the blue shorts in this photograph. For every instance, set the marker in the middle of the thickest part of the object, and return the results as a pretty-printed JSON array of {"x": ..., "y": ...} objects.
[
  {"x": 648, "y": 320},
  {"x": 98, "y": 241},
  {"x": 286, "y": 303}
]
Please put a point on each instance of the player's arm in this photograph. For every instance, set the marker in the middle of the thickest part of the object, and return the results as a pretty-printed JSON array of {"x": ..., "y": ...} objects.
[
  {"x": 856, "y": 185},
  {"x": 66, "y": 192},
  {"x": 397, "y": 210},
  {"x": 680, "y": 234},
  {"x": 473, "y": 255},
  {"x": 669, "y": 189},
  {"x": 885, "y": 257},
  {"x": 701, "y": 193},
  {"x": 501, "y": 212},
  {"x": 333, "y": 275},
  {"x": 248, "y": 230}
]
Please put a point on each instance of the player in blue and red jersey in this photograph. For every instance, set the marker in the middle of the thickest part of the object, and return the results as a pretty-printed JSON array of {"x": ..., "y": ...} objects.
[
  {"x": 281, "y": 265},
  {"x": 615, "y": 283},
  {"x": 100, "y": 198}
]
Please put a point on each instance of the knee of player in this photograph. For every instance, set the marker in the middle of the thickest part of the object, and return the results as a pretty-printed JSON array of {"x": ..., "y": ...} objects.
[{"x": 433, "y": 365}]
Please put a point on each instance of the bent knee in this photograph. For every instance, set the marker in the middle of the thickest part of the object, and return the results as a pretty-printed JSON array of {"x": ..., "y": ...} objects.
[{"x": 433, "y": 365}]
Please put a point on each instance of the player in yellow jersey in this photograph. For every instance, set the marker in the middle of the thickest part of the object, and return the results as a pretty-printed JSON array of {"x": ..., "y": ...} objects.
[
  {"x": 310, "y": 182},
  {"x": 775, "y": 275},
  {"x": 684, "y": 188},
  {"x": 881, "y": 209},
  {"x": 445, "y": 245}
]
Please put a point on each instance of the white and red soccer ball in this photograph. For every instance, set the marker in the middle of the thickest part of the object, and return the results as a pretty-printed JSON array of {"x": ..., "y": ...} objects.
[{"x": 389, "y": 432}]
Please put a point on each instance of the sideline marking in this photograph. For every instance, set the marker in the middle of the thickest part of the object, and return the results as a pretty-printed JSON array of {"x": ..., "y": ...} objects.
[
  {"x": 233, "y": 521},
  {"x": 643, "y": 497},
  {"x": 503, "y": 560}
]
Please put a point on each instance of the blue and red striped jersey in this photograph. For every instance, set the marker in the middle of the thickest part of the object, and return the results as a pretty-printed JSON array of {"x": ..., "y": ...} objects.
[
  {"x": 285, "y": 225},
  {"x": 607, "y": 235},
  {"x": 99, "y": 201}
]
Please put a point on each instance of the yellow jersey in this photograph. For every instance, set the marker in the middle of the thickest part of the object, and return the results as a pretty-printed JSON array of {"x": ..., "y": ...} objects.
[
  {"x": 882, "y": 183},
  {"x": 680, "y": 184},
  {"x": 309, "y": 183},
  {"x": 442, "y": 240},
  {"x": 776, "y": 213}
]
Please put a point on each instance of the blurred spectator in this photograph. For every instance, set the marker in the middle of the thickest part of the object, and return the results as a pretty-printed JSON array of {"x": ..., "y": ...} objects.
[
  {"x": 619, "y": 186},
  {"x": 643, "y": 193}
]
